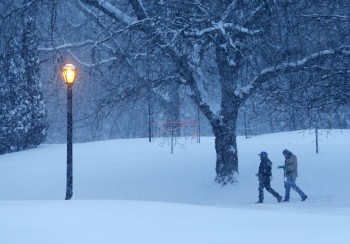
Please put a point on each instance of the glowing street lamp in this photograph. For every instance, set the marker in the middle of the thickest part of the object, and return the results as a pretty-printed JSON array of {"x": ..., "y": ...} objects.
[{"x": 69, "y": 73}]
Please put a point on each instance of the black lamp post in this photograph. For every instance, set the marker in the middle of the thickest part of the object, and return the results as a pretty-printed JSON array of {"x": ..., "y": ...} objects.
[{"x": 69, "y": 73}]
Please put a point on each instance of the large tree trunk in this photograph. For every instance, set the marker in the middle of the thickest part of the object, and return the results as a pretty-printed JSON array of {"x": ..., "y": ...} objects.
[
  {"x": 226, "y": 153},
  {"x": 224, "y": 127}
]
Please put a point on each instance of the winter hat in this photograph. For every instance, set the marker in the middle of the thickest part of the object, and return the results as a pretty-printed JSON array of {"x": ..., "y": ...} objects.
[{"x": 263, "y": 154}]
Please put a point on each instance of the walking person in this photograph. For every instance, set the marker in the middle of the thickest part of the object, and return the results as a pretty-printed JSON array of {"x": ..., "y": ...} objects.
[
  {"x": 291, "y": 172},
  {"x": 265, "y": 176}
]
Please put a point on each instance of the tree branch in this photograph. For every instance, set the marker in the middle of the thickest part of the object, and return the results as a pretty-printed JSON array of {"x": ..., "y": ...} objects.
[
  {"x": 290, "y": 67},
  {"x": 221, "y": 27},
  {"x": 110, "y": 10},
  {"x": 139, "y": 9},
  {"x": 68, "y": 45},
  {"x": 229, "y": 9},
  {"x": 25, "y": 5},
  {"x": 333, "y": 17}
]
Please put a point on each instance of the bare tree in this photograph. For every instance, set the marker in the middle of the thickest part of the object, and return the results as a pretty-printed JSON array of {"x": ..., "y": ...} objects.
[{"x": 223, "y": 51}]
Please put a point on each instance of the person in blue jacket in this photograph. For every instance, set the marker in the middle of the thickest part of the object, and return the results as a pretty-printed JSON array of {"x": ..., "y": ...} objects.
[{"x": 265, "y": 176}]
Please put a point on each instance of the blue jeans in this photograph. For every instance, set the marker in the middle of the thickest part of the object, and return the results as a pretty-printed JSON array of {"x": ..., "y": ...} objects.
[{"x": 290, "y": 183}]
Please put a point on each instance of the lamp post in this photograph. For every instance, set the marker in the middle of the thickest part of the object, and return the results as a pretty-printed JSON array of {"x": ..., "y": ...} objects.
[{"x": 69, "y": 73}]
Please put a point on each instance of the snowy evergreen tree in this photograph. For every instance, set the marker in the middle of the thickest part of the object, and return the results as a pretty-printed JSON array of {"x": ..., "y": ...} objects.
[
  {"x": 22, "y": 114},
  {"x": 36, "y": 110},
  {"x": 13, "y": 108}
]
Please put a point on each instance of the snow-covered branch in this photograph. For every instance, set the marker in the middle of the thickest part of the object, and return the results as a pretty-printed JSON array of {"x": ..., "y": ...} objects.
[
  {"x": 69, "y": 45},
  {"x": 23, "y": 6},
  {"x": 110, "y": 10},
  {"x": 254, "y": 13},
  {"x": 116, "y": 14},
  {"x": 93, "y": 64},
  {"x": 139, "y": 9},
  {"x": 289, "y": 67},
  {"x": 339, "y": 72},
  {"x": 334, "y": 17},
  {"x": 229, "y": 9},
  {"x": 220, "y": 26},
  {"x": 81, "y": 44}
]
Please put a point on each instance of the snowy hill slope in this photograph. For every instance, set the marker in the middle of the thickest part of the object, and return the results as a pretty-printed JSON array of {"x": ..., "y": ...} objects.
[{"x": 133, "y": 191}]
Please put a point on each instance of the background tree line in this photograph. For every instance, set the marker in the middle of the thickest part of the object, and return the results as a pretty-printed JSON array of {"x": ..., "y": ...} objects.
[{"x": 250, "y": 67}]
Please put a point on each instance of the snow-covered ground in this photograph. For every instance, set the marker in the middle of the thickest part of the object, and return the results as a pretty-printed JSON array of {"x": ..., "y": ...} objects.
[{"x": 133, "y": 191}]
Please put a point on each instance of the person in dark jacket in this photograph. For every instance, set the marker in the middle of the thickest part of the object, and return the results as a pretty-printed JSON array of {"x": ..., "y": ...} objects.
[
  {"x": 291, "y": 172},
  {"x": 265, "y": 176}
]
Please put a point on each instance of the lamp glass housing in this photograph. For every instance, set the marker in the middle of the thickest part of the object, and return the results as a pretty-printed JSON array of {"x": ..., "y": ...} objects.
[{"x": 69, "y": 73}]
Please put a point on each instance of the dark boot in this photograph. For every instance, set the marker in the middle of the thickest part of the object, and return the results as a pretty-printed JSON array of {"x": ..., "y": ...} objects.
[{"x": 279, "y": 199}]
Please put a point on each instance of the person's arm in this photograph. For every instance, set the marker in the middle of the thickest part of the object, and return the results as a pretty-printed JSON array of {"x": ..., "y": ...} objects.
[{"x": 269, "y": 170}]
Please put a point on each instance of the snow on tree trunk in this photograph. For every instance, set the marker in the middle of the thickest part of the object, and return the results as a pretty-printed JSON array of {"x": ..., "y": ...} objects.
[
  {"x": 224, "y": 128},
  {"x": 226, "y": 153}
]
